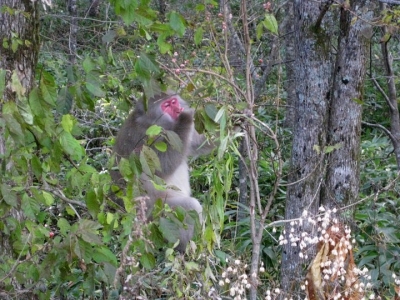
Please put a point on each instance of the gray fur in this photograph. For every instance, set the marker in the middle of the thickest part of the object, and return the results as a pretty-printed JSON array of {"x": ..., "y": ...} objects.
[{"x": 174, "y": 168}]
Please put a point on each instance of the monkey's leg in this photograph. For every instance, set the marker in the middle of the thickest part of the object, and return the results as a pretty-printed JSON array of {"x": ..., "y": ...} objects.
[{"x": 188, "y": 203}]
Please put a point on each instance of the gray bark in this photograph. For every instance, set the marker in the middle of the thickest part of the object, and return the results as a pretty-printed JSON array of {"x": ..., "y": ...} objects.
[
  {"x": 391, "y": 98},
  {"x": 344, "y": 128},
  {"x": 73, "y": 31},
  {"x": 24, "y": 58},
  {"x": 311, "y": 72},
  {"x": 327, "y": 113},
  {"x": 290, "y": 87},
  {"x": 20, "y": 60}
]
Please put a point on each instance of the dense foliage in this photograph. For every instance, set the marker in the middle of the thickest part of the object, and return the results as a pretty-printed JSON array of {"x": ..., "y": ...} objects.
[{"x": 69, "y": 240}]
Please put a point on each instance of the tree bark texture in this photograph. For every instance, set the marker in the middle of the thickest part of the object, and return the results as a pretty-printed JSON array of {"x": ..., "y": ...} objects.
[
  {"x": 288, "y": 33},
  {"x": 392, "y": 94},
  {"x": 73, "y": 31},
  {"x": 312, "y": 70},
  {"x": 328, "y": 91},
  {"x": 19, "y": 35},
  {"x": 344, "y": 128}
]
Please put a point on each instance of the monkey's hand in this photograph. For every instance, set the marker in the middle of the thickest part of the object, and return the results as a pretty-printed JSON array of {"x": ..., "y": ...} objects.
[{"x": 186, "y": 117}]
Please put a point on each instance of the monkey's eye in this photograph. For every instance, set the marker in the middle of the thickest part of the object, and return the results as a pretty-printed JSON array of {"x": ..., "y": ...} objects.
[{"x": 173, "y": 101}]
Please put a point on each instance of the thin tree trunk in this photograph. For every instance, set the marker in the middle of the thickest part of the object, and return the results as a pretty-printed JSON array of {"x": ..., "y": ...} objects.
[
  {"x": 392, "y": 95},
  {"x": 73, "y": 31},
  {"x": 243, "y": 190},
  {"x": 290, "y": 87}
]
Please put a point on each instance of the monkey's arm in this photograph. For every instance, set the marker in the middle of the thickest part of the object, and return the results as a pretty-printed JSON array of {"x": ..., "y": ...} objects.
[
  {"x": 200, "y": 145},
  {"x": 172, "y": 158}
]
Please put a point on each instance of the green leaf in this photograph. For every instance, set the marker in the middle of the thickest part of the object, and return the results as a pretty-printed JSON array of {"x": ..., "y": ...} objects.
[
  {"x": 64, "y": 226},
  {"x": 358, "y": 101},
  {"x": 48, "y": 88},
  {"x": 109, "y": 36},
  {"x": 259, "y": 30},
  {"x": 169, "y": 230},
  {"x": 8, "y": 195},
  {"x": 92, "y": 203},
  {"x": 146, "y": 66},
  {"x": 158, "y": 187},
  {"x": 211, "y": 111},
  {"x": 88, "y": 230},
  {"x": 317, "y": 149},
  {"x": 164, "y": 46},
  {"x": 35, "y": 103},
  {"x": 15, "y": 42},
  {"x": 71, "y": 146},
  {"x": 124, "y": 167},
  {"x": 192, "y": 266},
  {"x": 64, "y": 100},
  {"x": 9, "y": 110},
  {"x": 161, "y": 28},
  {"x": 16, "y": 85},
  {"x": 198, "y": 36},
  {"x": 200, "y": 7},
  {"x": 209, "y": 236},
  {"x": 153, "y": 130},
  {"x": 147, "y": 260},
  {"x": 30, "y": 206},
  {"x": 222, "y": 256},
  {"x": 329, "y": 149},
  {"x": 36, "y": 167},
  {"x": 48, "y": 198},
  {"x": 88, "y": 65},
  {"x": 67, "y": 122},
  {"x": 149, "y": 161},
  {"x": 142, "y": 18},
  {"x": 93, "y": 85},
  {"x": 2, "y": 82},
  {"x": 83, "y": 250},
  {"x": 103, "y": 254},
  {"x": 110, "y": 218},
  {"x": 160, "y": 146},
  {"x": 270, "y": 23},
  {"x": 177, "y": 23},
  {"x": 174, "y": 140},
  {"x": 219, "y": 115},
  {"x": 25, "y": 111}
]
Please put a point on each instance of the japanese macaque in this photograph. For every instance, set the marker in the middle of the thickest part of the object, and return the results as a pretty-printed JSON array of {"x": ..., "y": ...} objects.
[{"x": 172, "y": 113}]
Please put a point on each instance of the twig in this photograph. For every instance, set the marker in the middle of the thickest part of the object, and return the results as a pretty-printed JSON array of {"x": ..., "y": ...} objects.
[{"x": 60, "y": 195}]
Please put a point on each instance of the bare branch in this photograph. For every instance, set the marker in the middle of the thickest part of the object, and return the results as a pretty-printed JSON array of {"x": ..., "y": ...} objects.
[
  {"x": 60, "y": 195},
  {"x": 385, "y": 130},
  {"x": 396, "y": 2}
]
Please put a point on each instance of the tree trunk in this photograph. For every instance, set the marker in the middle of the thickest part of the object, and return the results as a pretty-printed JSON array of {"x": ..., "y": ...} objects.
[
  {"x": 327, "y": 122},
  {"x": 312, "y": 70},
  {"x": 344, "y": 128},
  {"x": 391, "y": 97},
  {"x": 20, "y": 54},
  {"x": 73, "y": 31},
  {"x": 19, "y": 33},
  {"x": 290, "y": 58}
]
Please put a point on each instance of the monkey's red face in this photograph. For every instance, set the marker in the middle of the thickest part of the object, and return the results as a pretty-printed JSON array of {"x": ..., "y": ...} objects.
[{"x": 172, "y": 107}]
